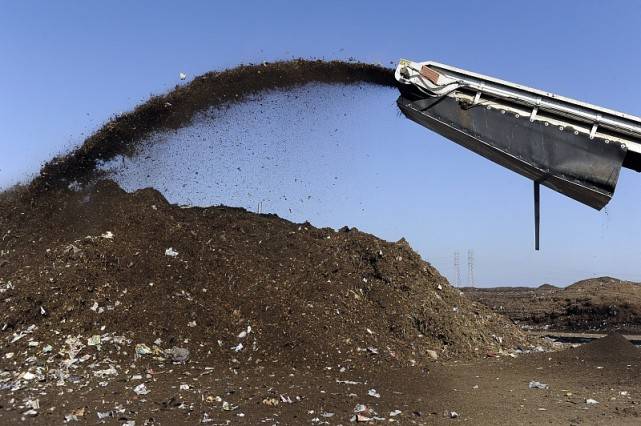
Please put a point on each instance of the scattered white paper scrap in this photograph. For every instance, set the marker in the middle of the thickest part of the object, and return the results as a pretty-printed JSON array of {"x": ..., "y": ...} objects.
[
  {"x": 142, "y": 349},
  {"x": 171, "y": 252},
  {"x": 141, "y": 389},
  {"x": 537, "y": 385},
  {"x": 108, "y": 235},
  {"x": 229, "y": 407},
  {"x": 28, "y": 376},
  {"x": 244, "y": 333},
  {"x": 348, "y": 382}
]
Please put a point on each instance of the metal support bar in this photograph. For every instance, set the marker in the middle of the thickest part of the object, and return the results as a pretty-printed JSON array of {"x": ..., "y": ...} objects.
[{"x": 537, "y": 213}]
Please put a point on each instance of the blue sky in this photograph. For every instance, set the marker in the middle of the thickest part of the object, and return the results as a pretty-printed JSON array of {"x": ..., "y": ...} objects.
[{"x": 68, "y": 66}]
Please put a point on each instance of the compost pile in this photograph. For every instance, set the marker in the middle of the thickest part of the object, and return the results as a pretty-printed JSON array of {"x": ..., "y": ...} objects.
[
  {"x": 600, "y": 304},
  {"x": 225, "y": 283}
]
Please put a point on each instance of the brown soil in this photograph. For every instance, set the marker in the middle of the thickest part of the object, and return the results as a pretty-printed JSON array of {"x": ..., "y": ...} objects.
[
  {"x": 310, "y": 295},
  {"x": 600, "y": 304},
  {"x": 124, "y": 133}
]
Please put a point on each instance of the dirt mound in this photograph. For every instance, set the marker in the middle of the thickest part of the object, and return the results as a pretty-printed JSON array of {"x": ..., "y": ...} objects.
[
  {"x": 596, "y": 304},
  {"x": 594, "y": 284},
  {"x": 124, "y": 133},
  {"x": 612, "y": 349},
  {"x": 547, "y": 287},
  {"x": 102, "y": 260}
]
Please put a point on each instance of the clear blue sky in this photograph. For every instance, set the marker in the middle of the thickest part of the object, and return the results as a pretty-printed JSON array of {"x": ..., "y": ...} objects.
[{"x": 68, "y": 66}]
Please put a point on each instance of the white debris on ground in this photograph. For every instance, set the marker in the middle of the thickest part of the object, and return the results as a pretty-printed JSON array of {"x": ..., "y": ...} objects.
[
  {"x": 178, "y": 355},
  {"x": 108, "y": 235},
  {"x": 373, "y": 393},
  {"x": 538, "y": 385},
  {"x": 66, "y": 364},
  {"x": 141, "y": 389},
  {"x": 244, "y": 333}
]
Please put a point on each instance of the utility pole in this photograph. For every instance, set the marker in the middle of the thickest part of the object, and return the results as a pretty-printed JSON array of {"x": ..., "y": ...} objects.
[
  {"x": 470, "y": 268},
  {"x": 457, "y": 268}
]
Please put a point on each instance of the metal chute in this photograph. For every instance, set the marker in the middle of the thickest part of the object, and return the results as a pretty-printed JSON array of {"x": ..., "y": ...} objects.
[{"x": 572, "y": 147}]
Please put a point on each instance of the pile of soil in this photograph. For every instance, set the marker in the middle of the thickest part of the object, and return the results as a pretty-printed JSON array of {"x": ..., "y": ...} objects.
[
  {"x": 611, "y": 349},
  {"x": 102, "y": 261},
  {"x": 601, "y": 304}
]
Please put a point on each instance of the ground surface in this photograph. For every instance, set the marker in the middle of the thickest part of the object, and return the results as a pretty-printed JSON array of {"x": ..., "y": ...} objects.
[
  {"x": 489, "y": 391},
  {"x": 593, "y": 305}
]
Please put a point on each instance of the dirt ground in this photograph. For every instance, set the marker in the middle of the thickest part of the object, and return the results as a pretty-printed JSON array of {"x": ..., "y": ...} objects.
[
  {"x": 492, "y": 391},
  {"x": 594, "y": 305}
]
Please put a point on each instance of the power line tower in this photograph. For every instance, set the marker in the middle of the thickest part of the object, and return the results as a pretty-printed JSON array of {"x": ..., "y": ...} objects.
[
  {"x": 470, "y": 268},
  {"x": 457, "y": 268}
]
